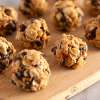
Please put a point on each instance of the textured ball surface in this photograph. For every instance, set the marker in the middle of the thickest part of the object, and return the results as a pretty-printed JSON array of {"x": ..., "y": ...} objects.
[
  {"x": 8, "y": 20},
  {"x": 7, "y": 52},
  {"x": 32, "y": 8},
  {"x": 70, "y": 51},
  {"x": 34, "y": 33},
  {"x": 30, "y": 71},
  {"x": 67, "y": 15},
  {"x": 92, "y": 29}
]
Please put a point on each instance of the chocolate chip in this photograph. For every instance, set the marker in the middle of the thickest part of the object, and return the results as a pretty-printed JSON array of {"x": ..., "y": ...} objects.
[
  {"x": 46, "y": 70},
  {"x": 10, "y": 61},
  {"x": 37, "y": 44},
  {"x": 82, "y": 49},
  {"x": 2, "y": 66},
  {"x": 1, "y": 56},
  {"x": 94, "y": 2},
  {"x": 42, "y": 28},
  {"x": 65, "y": 22},
  {"x": 92, "y": 34},
  {"x": 10, "y": 28},
  {"x": 13, "y": 24},
  {"x": 84, "y": 58},
  {"x": 48, "y": 33},
  {"x": 19, "y": 75},
  {"x": 12, "y": 81},
  {"x": 10, "y": 51},
  {"x": 36, "y": 65},
  {"x": 63, "y": 63},
  {"x": 39, "y": 12},
  {"x": 25, "y": 12},
  {"x": 8, "y": 12},
  {"x": 22, "y": 27},
  {"x": 54, "y": 50},
  {"x": 29, "y": 84},
  {"x": 24, "y": 53},
  {"x": 28, "y": 1}
]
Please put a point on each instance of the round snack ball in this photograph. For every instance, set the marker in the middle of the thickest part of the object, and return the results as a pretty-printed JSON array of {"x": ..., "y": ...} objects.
[
  {"x": 67, "y": 15},
  {"x": 7, "y": 52},
  {"x": 70, "y": 51},
  {"x": 32, "y": 8},
  {"x": 92, "y": 29},
  {"x": 30, "y": 71},
  {"x": 92, "y": 6},
  {"x": 34, "y": 33},
  {"x": 8, "y": 19}
]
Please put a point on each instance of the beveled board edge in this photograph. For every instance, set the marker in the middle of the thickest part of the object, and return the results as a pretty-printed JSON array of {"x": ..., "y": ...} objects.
[{"x": 77, "y": 88}]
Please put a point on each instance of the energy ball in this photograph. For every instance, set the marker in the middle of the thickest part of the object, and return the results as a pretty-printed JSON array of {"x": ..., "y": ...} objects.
[
  {"x": 7, "y": 52},
  {"x": 67, "y": 15},
  {"x": 92, "y": 29},
  {"x": 70, "y": 51},
  {"x": 34, "y": 33},
  {"x": 30, "y": 71},
  {"x": 32, "y": 8},
  {"x": 8, "y": 19},
  {"x": 92, "y": 6}
]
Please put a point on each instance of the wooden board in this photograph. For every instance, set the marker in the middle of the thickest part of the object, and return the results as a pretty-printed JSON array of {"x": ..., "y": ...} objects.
[{"x": 63, "y": 83}]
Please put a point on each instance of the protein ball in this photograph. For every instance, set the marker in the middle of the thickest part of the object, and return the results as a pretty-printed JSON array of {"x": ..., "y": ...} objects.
[
  {"x": 34, "y": 34},
  {"x": 92, "y": 6},
  {"x": 8, "y": 20},
  {"x": 30, "y": 70},
  {"x": 92, "y": 29},
  {"x": 70, "y": 51},
  {"x": 67, "y": 15},
  {"x": 7, "y": 52},
  {"x": 32, "y": 8}
]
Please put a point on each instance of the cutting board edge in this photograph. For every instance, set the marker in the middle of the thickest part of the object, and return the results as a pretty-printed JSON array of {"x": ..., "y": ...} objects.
[{"x": 77, "y": 88}]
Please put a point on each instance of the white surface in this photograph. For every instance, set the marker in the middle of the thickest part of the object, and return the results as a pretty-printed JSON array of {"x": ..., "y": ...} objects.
[
  {"x": 9, "y": 2},
  {"x": 92, "y": 93}
]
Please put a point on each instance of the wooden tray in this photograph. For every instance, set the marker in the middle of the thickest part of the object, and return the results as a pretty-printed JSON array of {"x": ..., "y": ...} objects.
[{"x": 63, "y": 83}]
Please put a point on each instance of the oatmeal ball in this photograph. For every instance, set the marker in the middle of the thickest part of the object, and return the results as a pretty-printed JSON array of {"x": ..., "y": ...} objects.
[
  {"x": 8, "y": 19},
  {"x": 67, "y": 15},
  {"x": 32, "y": 8},
  {"x": 7, "y": 52},
  {"x": 92, "y": 6},
  {"x": 34, "y": 34},
  {"x": 92, "y": 29},
  {"x": 70, "y": 51},
  {"x": 30, "y": 71}
]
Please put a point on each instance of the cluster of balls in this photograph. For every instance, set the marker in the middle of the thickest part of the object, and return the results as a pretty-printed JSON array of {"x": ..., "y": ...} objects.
[{"x": 30, "y": 70}]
